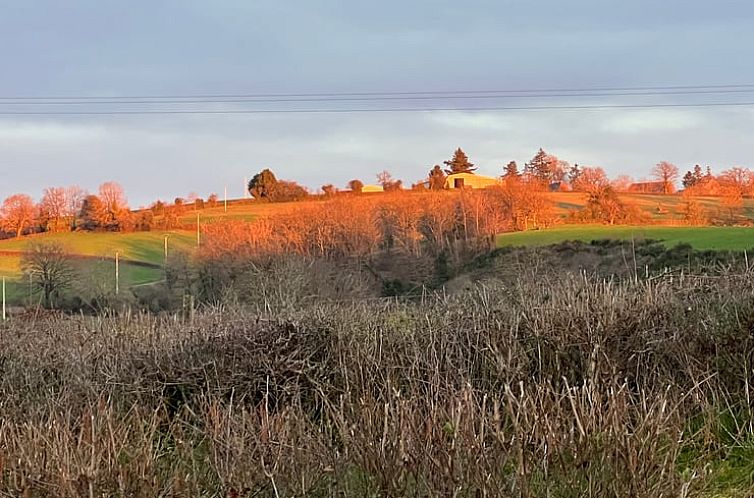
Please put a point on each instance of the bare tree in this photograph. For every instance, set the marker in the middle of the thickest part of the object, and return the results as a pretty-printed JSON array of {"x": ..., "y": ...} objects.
[
  {"x": 114, "y": 204},
  {"x": 590, "y": 180},
  {"x": 74, "y": 196},
  {"x": 622, "y": 183},
  {"x": 49, "y": 269},
  {"x": 52, "y": 209},
  {"x": 384, "y": 177},
  {"x": 732, "y": 201},
  {"x": 667, "y": 173},
  {"x": 738, "y": 178},
  {"x": 17, "y": 213},
  {"x": 113, "y": 198}
]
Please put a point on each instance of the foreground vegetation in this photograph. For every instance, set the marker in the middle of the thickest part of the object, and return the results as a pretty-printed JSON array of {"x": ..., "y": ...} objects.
[{"x": 539, "y": 384}]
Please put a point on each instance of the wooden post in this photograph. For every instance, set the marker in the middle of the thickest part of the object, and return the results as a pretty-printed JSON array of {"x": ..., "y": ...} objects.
[
  {"x": 4, "y": 299},
  {"x": 117, "y": 273}
]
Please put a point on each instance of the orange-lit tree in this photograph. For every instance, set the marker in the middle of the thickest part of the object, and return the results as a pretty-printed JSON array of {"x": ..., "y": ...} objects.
[
  {"x": 667, "y": 173},
  {"x": 459, "y": 163},
  {"x": 590, "y": 179},
  {"x": 436, "y": 178},
  {"x": 17, "y": 214}
]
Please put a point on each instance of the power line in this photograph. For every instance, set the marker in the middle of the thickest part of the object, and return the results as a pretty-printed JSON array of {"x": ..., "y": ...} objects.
[
  {"x": 218, "y": 100},
  {"x": 392, "y": 93},
  {"x": 367, "y": 110}
]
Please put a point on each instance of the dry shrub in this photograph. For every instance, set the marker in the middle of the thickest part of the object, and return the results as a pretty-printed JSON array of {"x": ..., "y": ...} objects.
[
  {"x": 337, "y": 249},
  {"x": 359, "y": 226},
  {"x": 548, "y": 386}
]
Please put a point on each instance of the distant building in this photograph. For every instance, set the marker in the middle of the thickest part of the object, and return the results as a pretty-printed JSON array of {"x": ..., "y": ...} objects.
[
  {"x": 647, "y": 188},
  {"x": 469, "y": 180},
  {"x": 372, "y": 188}
]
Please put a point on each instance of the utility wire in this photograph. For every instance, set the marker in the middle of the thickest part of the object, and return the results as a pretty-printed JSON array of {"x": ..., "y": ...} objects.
[
  {"x": 392, "y": 93},
  {"x": 219, "y": 100},
  {"x": 367, "y": 110}
]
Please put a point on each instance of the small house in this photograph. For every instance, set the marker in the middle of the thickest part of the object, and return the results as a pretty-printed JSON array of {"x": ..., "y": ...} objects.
[
  {"x": 469, "y": 180},
  {"x": 371, "y": 188}
]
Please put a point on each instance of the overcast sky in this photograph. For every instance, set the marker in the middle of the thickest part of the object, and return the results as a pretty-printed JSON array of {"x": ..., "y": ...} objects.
[{"x": 185, "y": 47}]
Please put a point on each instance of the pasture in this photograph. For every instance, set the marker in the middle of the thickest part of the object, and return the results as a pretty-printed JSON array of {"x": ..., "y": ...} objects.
[
  {"x": 702, "y": 238},
  {"x": 97, "y": 249},
  {"x": 660, "y": 208},
  {"x": 141, "y": 257}
]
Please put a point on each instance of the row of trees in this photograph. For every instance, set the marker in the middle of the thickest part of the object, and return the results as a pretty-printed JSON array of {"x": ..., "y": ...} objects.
[
  {"x": 355, "y": 227},
  {"x": 63, "y": 209},
  {"x": 67, "y": 208},
  {"x": 556, "y": 174}
]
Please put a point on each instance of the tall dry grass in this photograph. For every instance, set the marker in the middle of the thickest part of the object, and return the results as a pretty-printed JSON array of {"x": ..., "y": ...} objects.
[{"x": 566, "y": 386}]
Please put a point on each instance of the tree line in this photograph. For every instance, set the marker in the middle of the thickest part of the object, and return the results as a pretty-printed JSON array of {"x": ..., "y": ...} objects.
[
  {"x": 72, "y": 208},
  {"x": 67, "y": 209},
  {"x": 543, "y": 168}
]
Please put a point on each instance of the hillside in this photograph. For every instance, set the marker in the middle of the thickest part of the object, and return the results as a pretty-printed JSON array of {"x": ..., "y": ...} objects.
[
  {"x": 665, "y": 209},
  {"x": 142, "y": 253},
  {"x": 702, "y": 238}
]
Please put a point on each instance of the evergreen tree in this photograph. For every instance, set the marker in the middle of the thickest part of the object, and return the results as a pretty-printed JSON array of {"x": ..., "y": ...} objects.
[
  {"x": 262, "y": 186},
  {"x": 689, "y": 180},
  {"x": 698, "y": 176},
  {"x": 459, "y": 164},
  {"x": 574, "y": 174},
  {"x": 511, "y": 170},
  {"x": 93, "y": 214},
  {"x": 437, "y": 178},
  {"x": 542, "y": 167}
]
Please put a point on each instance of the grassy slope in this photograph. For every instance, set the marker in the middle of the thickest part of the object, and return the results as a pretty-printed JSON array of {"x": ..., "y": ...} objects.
[
  {"x": 147, "y": 247},
  {"x": 17, "y": 290},
  {"x": 245, "y": 211},
  {"x": 719, "y": 238},
  {"x": 661, "y": 208},
  {"x": 139, "y": 246}
]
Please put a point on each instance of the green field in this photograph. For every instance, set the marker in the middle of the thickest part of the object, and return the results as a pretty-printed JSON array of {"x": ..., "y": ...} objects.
[
  {"x": 703, "y": 238},
  {"x": 659, "y": 208},
  {"x": 241, "y": 210},
  {"x": 17, "y": 290},
  {"x": 100, "y": 249},
  {"x": 147, "y": 247}
]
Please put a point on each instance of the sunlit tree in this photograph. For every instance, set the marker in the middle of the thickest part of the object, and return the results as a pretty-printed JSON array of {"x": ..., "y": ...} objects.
[
  {"x": 667, "y": 173},
  {"x": 436, "y": 178},
  {"x": 511, "y": 171},
  {"x": 591, "y": 179},
  {"x": 356, "y": 185},
  {"x": 17, "y": 213},
  {"x": 93, "y": 215},
  {"x": 52, "y": 210},
  {"x": 262, "y": 185},
  {"x": 459, "y": 163}
]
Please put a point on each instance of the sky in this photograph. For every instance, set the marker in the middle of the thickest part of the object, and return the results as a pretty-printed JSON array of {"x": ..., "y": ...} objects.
[{"x": 104, "y": 48}]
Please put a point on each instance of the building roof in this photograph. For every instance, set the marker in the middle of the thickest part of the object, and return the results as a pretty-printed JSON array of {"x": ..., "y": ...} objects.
[{"x": 471, "y": 175}]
